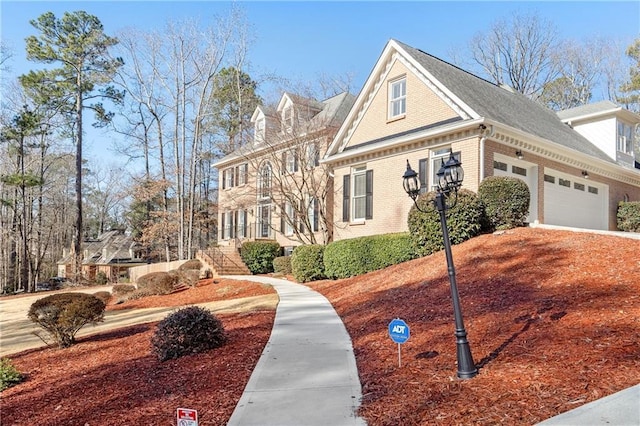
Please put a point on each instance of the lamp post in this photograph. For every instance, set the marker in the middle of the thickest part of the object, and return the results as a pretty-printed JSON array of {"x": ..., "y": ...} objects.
[{"x": 450, "y": 178}]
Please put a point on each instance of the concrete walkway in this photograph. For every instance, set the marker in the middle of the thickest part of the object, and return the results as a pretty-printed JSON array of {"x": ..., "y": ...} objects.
[{"x": 307, "y": 373}]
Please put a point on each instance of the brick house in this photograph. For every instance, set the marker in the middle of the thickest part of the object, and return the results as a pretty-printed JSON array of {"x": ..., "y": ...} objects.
[
  {"x": 274, "y": 187},
  {"x": 579, "y": 164}
]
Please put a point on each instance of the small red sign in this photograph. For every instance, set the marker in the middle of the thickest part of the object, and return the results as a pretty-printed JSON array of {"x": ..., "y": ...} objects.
[{"x": 189, "y": 415}]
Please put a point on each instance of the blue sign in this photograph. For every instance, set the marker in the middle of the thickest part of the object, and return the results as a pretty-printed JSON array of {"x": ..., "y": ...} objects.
[{"x": 398, "y": 331}]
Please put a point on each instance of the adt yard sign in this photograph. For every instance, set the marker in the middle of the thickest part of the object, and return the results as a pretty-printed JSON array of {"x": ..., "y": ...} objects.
[
  {"x": 398, "y": 331},
  {"x": 187, "y": 417}
]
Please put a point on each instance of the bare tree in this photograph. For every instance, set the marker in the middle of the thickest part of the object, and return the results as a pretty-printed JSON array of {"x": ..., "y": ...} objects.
[{"x": 518, "y": 52}]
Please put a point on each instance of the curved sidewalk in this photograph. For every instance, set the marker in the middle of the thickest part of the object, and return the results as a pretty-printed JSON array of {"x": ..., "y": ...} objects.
[{"x": 307, "y": 372}]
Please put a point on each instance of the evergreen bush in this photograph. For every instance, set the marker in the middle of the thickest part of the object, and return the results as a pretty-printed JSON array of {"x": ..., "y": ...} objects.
[
  {"x": 159, "y": 283},
  {"x": 506, "y": 201},
  {"x": 282, "y": 265},
  {"x": 356, "y": 256},
  {"x": 629, "y": 216},
  {"x": 188, "y": 331},
  {"x": 259, "y": 255},
  {"x": 464, "y": 221},
  {"x": 307, "y": 263},
  {"x": 101, "y": 278},
  {"x": 62, "y": 315},
  {"x": 193, "y": 264},
  {"x": 9, "y": 374},
  {"x": 105, "y": 296}
]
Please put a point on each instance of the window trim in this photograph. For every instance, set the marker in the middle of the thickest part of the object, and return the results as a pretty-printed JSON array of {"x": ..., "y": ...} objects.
[{"x": 400, "y": 99}]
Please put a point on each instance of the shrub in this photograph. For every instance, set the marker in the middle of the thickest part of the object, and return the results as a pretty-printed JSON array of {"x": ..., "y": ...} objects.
[
  {"x": 121, "y": 289},
  {"x": 356, "y": 256},
  {"x": 282, "y": 265},
  {"x": 307, "y": 263},
  {"x": 189, "y": 277},
  {"x": 193, "y": 264},
  {"x": 101, "y": 278},
  {"x": 62, "y": 315},
  {"x": 187, "y": 331},
  {"x": 259, "y": 255},
  {"x": 105, "y": 296},
  {"x": 506, "y": 201},
  {"x": 158, "y": 282},
  {"x": 9, "y": 375},
  {"x": 629, "y": 216},
  {"x": 463, "y": 222}
]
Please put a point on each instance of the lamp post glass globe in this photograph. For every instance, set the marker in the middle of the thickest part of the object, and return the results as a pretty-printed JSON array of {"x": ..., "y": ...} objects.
[{"x": 410, "y": 182}]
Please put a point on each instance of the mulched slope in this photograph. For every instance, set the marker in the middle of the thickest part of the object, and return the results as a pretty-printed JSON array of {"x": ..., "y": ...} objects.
[
  {"x": 553, "y": 319},
  {"x": 112, "y": 379}
]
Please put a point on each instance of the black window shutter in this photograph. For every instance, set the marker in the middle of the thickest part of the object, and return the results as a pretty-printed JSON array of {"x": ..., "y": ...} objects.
[
  {"x": 246, "y": 173},
  {"x": 284, "y": 163},
  {"x": 235, "y": 224},
  {"x": 423, "y": 174},
  {"x": 235, "y": 177},
  {"x": 222, "y": 227},
  {"x": 295, "y": 161},
  {"x": 282, "y": 213},
  {"x": 369, "y": 192},
  {"x": 224, "y": 179},
  {"x": 246, "y": 219},
  {"x": 316, "y": 212},
  {"x": 299, "y": 217},
  {"x": 346, "y": 186}
]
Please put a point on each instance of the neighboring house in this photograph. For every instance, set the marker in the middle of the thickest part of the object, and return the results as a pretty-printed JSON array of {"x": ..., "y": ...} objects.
[
  {"x": 112, "y": 253},
  {"x": 274, "y": 187},
  {"x": 417, "y": 107}
]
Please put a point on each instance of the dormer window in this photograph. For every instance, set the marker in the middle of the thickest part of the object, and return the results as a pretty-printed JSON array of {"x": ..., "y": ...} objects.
[
  {"x": 259, "y": 130},
  {"x": 287, "y": 118},
  {"x": 625, "y": 138},
  {"x": 397, "y": 98}
]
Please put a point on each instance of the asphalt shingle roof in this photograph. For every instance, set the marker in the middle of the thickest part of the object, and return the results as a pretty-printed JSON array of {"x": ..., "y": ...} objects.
[{"x": 503, "y": 105}]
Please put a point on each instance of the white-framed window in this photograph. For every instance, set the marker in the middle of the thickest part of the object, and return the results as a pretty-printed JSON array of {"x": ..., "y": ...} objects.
[
  {"x": 625, "y": 138},
  {"x": 291, "y": 163},
  {"x": 259, "y": 135},
  {"x": 359, "y": 193},
  {"x": 437, "y": 157},
  {"x": 313, "y": 155},
  {"x": 263, "y": 224},
  {"x": 264, "y": 181},
  {"x": 242, "y": 174},
  {"x": 227, "y": 225},
  {"x": 241, "y": 223},
  {"x": 313, "y": 212},
  {"x": 398, "y": 97},
  {"x": 227, "y": 178},
  {"x": 290, "y": 214},
  {"x": 287, "y": 118}
]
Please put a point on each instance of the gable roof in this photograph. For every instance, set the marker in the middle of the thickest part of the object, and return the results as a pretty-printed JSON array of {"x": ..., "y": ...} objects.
[
  {"x": 110, "y": 247},
  {"x": 479, "y": 98},
  {"x": 332, "y": 113}
]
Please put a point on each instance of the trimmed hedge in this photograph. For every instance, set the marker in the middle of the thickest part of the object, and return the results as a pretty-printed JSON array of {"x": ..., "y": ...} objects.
[
  {"x": 506, "y": 201},
  {"x": 259, "y": 255},
  {"x": 159, "y": 283},
  {"x": 464, "y": 221},
  {"x": 62, "y": 315},
  {"x": 282, "y": 265},
  {"x": 307, "y": 263},
  {"x": 356, "y": 256},
  {"x": 629, "y": 216}
]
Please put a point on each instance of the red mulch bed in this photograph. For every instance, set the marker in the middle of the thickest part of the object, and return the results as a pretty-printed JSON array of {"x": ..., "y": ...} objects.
[
  {"x": 553, "y": 319},
  {"x": 113, "y": 379}
]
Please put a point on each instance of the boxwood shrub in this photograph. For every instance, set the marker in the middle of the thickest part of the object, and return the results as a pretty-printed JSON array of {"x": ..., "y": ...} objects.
[
  {"x": 307, "y": 263},
  {"x": 629, "y": 216},
  {"x": 356, "y": 256},
  {"x": 464, "y": 221},
  {"x": 259, "y": 255},
  {"x": 282, "y": 265},
  {"x": 506, "y": 201}
]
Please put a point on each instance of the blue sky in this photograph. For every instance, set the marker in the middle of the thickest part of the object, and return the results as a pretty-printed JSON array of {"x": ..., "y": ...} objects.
[{"x": 300, "y": 40}]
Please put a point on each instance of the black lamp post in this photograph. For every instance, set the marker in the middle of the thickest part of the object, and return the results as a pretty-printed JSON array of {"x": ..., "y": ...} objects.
[{"x": 450, "y": 178}]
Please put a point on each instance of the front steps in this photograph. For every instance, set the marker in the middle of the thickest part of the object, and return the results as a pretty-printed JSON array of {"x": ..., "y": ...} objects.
[{"x": 223, "y": 261}]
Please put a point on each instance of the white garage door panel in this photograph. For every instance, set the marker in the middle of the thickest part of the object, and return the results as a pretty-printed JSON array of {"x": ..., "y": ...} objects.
[{"x": 572, "y": 206}]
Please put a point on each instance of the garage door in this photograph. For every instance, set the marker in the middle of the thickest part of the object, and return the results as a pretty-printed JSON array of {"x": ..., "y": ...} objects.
[
  {"x": 528, "y": 172},
  {"x": 573, "y": 201}
]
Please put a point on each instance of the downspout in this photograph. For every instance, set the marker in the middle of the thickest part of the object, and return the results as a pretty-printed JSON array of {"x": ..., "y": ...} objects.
[{"x": 485, "y": 134}]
